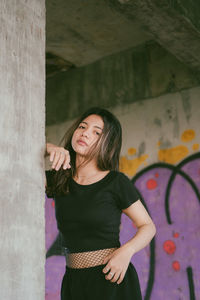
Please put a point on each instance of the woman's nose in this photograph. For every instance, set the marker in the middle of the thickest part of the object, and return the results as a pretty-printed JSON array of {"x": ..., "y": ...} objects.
[{"x": 85, "y": 133}]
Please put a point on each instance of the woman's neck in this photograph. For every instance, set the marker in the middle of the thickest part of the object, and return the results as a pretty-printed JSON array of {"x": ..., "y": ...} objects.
[
  {"x": 86, "y": 169},
  {"x": 87, "y": 173}
]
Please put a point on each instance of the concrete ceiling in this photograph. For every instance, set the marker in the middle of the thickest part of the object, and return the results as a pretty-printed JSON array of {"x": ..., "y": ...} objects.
[{"x": 79, "y": 32}]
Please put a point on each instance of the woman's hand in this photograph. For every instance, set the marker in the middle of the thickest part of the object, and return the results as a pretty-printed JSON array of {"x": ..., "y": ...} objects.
[
  {"x": 59, "y": 156},
  {"x": 117, "y": 264}
]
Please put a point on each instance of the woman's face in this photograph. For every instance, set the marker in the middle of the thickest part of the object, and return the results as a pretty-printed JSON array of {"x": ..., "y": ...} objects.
[{"x": 87, "y": 133}]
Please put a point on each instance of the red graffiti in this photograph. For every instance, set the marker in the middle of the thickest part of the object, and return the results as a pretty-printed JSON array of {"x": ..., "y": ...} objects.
[
  {"x": 176, "y": 235},
  {"x": 169, "y": 247},
  {"x": 156, "y": 175},
  {"x": 151, "y": 184},
  {"x": 176, "y": 265},
  {"x": 53, "y": 203}
]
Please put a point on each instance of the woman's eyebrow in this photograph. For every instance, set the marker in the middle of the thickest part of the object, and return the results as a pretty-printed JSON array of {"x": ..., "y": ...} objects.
[
  {"x": 98, "y": 127},
  {"x": 94, "y": 126}
]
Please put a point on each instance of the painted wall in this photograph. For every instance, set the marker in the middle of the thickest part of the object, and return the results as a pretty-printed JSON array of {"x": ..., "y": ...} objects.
[
  {"x": 22, "y": 140},
  {"x": 161, "y": 156}
]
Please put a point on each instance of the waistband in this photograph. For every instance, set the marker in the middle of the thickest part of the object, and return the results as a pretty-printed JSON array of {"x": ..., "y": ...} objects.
[{"x": 87, "y": 259}]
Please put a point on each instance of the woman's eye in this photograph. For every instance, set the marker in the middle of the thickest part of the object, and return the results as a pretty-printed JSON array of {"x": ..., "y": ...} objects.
[
  {"x": 98, "y": 133},
  {"x": 81, "y": 126}
]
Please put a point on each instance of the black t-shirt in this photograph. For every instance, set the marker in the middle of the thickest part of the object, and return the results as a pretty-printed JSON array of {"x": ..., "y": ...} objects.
[{"x": 89, "y": 216}]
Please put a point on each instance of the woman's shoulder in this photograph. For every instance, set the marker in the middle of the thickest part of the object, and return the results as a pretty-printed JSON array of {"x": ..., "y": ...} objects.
[
  {"x": 125, "y": 190},
  {"x": 119, "y": 180},
  {"x": 118, "y": 175}
]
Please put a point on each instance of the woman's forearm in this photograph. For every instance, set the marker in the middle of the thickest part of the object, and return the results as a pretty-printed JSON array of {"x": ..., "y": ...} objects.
[{"x": 141, "y": 239}]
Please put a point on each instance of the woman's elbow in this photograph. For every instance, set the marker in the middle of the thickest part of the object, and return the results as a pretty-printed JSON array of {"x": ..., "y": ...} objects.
[{"x": 153, "y": 229}]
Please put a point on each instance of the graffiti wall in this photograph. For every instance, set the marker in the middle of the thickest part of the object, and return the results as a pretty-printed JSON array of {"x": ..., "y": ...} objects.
[
  {"x": 161, "y": 156},
  {"x": 170, "y": 267}
]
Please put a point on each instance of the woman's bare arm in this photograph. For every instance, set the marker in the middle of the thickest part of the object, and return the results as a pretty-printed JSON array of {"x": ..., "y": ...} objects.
[
  {"x": 146, "y": 228},
  {"x": 118, "y": 261}
]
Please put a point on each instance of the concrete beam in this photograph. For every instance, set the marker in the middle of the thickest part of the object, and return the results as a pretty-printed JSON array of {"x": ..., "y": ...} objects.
[
  {"x": 189, "y": 9},
  {"x": 82, "y": 32},
  {"x": 144, "y": 72},
  {"x": 22, "y": 115},
  {"x": 173, "y": 25}
]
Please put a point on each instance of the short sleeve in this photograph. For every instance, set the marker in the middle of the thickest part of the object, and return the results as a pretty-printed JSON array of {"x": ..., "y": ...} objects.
[{"x": 127, "y": 193}]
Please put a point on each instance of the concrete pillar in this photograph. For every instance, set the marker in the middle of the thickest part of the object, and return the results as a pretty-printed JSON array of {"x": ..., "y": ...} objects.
[{"x": 22, "y": 121}]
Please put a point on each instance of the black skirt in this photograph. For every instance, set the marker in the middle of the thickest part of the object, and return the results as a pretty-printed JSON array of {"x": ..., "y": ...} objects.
[{"x": 90, "y": 284}]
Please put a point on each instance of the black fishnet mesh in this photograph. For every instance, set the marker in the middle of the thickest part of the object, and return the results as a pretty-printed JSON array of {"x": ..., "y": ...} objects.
[{"x": 87, "y": 259}]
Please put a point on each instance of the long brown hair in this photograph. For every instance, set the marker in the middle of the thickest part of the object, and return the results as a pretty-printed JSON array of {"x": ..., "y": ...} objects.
[{"x": 106, "y": 149}]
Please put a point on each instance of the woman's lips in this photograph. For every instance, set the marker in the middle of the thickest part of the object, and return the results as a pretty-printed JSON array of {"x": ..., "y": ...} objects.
[{"x": 82, "y": 143}]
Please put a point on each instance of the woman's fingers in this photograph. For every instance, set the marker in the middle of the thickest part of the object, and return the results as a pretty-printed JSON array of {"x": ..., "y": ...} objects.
[
  {"x": 60, "y": 156},
  {"x": 110, "y": 275},
  {"x": 55, "y": 160},
  {"x": 60, "y": 161},
  {"x": 121, "y": 277},
  {"x": 115, "y": 277},
  {"x": 66, "y": 164},
  {"x": 106, "y": 269},
  {"x": 52, "y": 155}
]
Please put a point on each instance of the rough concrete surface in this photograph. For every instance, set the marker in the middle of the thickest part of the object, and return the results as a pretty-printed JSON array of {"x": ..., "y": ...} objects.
[
  {"x": 82, "y": 32},
  {"x": 22, "y": 86},
  {"x": 143, "y": 72},
  {"x": 166, "y": 23}
]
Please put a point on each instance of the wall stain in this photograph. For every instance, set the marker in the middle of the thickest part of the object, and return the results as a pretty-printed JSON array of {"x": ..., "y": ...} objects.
[
  {"x": 142, "y": 148},
  {"x": 171, "y": 115},
  {"x": 164, "y": 144},
  {"x": 185, "y": 96},
  {"x": 176, "y": 126},
  {"x": 157, "y": 122}
]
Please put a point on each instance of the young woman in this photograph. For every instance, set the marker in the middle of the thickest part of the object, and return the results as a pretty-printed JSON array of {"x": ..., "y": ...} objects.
[{"x": 90, "y": 195}]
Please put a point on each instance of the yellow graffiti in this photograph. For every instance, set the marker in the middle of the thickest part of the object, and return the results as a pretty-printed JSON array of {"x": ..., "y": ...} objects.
[
  {"x": 173, "y": 155},
  {"x": 195, "y": 147},
  {"x": 130, "y": 166},
  {"x": 131, "y": 151},
  {"x": 188, "y": 135}
]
